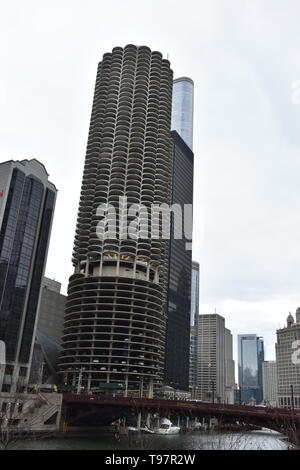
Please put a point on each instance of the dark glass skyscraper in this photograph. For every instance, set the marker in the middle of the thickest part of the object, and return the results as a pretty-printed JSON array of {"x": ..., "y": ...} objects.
[
  {"x": 250, "y": 357},
  {"x": 27, "y": 201},
  {"x": 114, "y": 329},
  {"x": 180, "y": 268},
  {"x": 195, "y": 282}
]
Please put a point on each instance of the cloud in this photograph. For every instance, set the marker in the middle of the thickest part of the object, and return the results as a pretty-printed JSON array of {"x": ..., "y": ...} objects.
[{"x": 243, "y": 58}]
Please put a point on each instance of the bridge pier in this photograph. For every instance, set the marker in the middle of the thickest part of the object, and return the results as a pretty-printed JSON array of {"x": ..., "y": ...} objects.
[{"x": 139, "y": 420}]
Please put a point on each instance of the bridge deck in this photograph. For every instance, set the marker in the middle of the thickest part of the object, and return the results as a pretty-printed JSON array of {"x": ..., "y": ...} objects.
[{"x": 187, "y": 406}]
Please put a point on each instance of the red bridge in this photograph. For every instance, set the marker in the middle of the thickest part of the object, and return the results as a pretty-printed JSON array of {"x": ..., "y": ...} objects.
[{"x": 92, "y": 410}]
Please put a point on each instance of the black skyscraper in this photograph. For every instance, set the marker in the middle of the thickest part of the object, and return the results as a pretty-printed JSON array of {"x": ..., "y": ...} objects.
[{"x": 180, "y": 268}]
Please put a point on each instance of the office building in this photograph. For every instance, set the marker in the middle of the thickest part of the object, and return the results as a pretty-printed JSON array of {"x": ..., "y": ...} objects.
[
  {"x": 115, "y": 320},
  {"x": 250, "y": 359},
  {"x": 180, "y": 269},
  {"x": 288, "y": 363},
  {"x": 27, "y": 201},
  {"x": 195, "y": 286},
  {"x": 229, "y": 368},
  {"x": 211, "y": 372},
  {"x": 269, "y": 373},
  {"x": 183, "y": 109},
  {"x": 47, "y": 346},
  {"x": 52, "y": 309}
]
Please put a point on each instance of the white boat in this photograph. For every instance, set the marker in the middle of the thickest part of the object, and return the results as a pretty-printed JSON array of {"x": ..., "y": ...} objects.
[{"x": 167, "y": 427}]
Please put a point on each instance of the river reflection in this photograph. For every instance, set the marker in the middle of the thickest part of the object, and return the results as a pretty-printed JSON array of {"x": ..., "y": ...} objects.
[{"x": 254, "y": 440}]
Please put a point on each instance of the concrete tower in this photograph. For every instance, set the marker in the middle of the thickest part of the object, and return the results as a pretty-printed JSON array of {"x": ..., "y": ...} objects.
[{"x": 114, "y": 330}]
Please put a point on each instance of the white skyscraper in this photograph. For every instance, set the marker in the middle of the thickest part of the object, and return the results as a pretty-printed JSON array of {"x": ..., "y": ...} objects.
[
  {"x": 288, "y": 367},
  {"x": 269, "y": 373},
  {"x": 211, "y": 358}
]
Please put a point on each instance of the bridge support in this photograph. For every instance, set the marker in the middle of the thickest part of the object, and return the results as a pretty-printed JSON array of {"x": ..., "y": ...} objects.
[
  {"x": 139, "y": 420},
  {"x": 141, "y": 387},
  {"x": 150, "y": 394}
]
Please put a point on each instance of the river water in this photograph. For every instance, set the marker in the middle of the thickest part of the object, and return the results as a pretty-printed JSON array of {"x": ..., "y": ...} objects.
[{"x": 254, "y": 440}]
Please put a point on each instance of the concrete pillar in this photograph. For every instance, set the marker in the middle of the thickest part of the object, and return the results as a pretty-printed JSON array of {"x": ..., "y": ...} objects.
[
  {"x": 150, "y": 394},
  {"x": 2, "y": 372},
  {"x": 187, "y": 422},
  {"x": 14, "y": 380},
  {"x": 148, "y": 421},
  {"x": 118, "y": 266},
  {"x": 87, "y": 265},
  {"x": 178, "y": 421},
  {"x": 126, "y": 386},
  {"x": 141, "y": 386},
  {"x": 139, "y": 420}
]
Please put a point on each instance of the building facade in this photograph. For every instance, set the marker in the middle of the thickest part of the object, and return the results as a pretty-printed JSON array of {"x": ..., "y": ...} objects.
[
  {"x": 180, "y": 268},
  {"x": 48, "y": 338},
  {"x": 269, "y": 372},
  {"x": 27, "y": 201},
  {"x": 229, "y": 369},
  {"x": 115, "y": 320},
  {"x": 52, "y": 309},
  {"x": 288, "y": 363},
  {"x": 211, "y": 372},
  {"x": 195, "y": 288},
  {"x": 183, "y": 109},
  {"x": 250, "y": 357}
]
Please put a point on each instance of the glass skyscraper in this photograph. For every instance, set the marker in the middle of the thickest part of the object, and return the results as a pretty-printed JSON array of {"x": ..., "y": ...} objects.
[
  {"x": 27, "y": 201},
  {"x": 183, "y": 109},
  {"x": 180, "y": 269},
  {"x": 250, "y": 360},
  {"x": 195, "y": 283}
]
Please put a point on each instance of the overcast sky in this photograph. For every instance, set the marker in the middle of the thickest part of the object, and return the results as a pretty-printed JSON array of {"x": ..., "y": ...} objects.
[{"x": 244, "y": 56}]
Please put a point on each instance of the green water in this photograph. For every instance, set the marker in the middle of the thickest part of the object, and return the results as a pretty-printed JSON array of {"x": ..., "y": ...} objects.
[{"x": 254, "y": 440}]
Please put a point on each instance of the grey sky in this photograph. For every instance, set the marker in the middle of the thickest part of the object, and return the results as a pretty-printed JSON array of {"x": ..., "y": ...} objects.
[{"x": 243, "y": 57}]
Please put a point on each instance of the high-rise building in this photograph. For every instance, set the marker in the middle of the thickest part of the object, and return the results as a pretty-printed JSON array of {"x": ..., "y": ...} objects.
[
  {"x": 180, "y": 268},
  {"x": 52, "y": 309},
  {"x": 250, "y": 359},
  {"x": 115, "y": 320},
  {"x": 211, "y": 371},
  {"x": 195, "y": 285},
  {"x": 183, "y": 109},
  {"x": 288, "y": 363},
  {"x": 269, "y": 373},
  {"x": 229, "y": 368},
  {"x": 27, "y": 201},
  {"x": 47, "y": 346}
]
